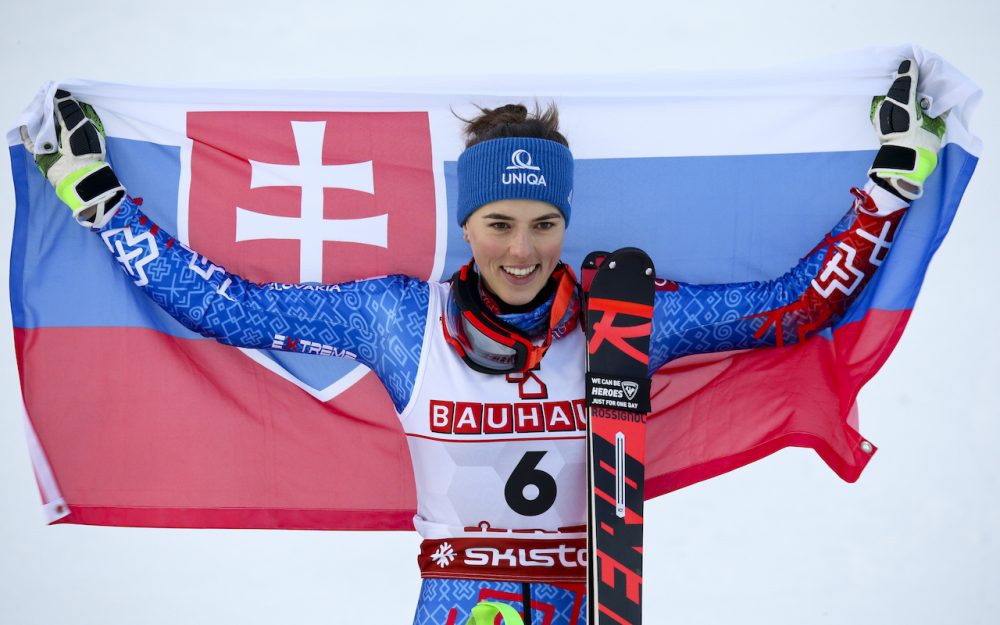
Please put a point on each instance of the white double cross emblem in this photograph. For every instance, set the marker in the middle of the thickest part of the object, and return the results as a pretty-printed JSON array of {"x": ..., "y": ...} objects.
[{"x": 311, "y": 229}]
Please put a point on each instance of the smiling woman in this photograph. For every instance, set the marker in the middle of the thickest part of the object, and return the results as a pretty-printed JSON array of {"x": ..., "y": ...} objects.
[
  {"x": 516, "y": 244},
  {"x": 515, "y": 223},
  {"x": 485, "y": 371}
]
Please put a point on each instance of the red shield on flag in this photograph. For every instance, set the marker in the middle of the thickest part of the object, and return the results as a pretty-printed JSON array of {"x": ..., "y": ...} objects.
[{"x": 313, "y": 196}]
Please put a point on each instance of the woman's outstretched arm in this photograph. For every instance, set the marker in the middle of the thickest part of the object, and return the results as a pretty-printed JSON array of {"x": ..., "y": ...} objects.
[
  {"x": 813, "y": 295},
  {"x": 379, "y": 322}
]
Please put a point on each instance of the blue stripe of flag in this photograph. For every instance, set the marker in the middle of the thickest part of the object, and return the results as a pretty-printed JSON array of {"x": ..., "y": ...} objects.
[{"x": 703, "y": 219}]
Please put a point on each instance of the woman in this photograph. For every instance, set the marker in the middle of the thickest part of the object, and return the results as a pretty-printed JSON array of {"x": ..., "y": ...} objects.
[{"x": 485, "y": 371}]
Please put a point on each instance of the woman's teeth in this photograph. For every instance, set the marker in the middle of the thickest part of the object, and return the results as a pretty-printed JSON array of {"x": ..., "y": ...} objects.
[{"x": 519, "y": 272}]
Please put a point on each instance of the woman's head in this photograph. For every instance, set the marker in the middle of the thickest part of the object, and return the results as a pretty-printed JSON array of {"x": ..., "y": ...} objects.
[{"x": 515, "y": 188}]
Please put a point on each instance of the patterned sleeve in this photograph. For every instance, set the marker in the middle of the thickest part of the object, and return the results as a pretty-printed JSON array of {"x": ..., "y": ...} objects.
[
  {"x": 697, "y": 319},
  {"x": 379, "y": 322}
]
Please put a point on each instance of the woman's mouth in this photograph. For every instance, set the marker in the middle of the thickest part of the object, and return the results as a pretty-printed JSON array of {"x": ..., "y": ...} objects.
[{"x": 519, "y": 274}]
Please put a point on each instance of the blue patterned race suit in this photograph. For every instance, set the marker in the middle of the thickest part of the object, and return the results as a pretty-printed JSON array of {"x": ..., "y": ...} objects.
[{"x": 380, "y": 322}]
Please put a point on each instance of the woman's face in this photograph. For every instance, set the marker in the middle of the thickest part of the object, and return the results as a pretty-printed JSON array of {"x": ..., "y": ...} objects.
[{"x": 517, "y": 245}]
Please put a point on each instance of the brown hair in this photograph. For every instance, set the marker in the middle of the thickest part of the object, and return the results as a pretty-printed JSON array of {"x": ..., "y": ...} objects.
[{"x": 513, "y": 120}]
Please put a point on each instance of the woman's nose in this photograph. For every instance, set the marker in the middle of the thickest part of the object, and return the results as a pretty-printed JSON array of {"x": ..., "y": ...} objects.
[{"x": 520, "y": 245}]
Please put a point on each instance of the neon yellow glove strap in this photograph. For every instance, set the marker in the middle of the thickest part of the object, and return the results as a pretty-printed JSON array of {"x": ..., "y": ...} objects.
[
  {"x": 926, "y": 163},
  {"x": 486, "y": 612},
  {"x": 66, "y": 189}
]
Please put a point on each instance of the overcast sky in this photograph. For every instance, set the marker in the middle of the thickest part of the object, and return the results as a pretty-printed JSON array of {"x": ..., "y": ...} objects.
[{"x": 783, "y": 541}]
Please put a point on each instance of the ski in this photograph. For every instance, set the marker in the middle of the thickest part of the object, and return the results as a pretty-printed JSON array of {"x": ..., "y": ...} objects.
[{"x": 618, "y": 303}]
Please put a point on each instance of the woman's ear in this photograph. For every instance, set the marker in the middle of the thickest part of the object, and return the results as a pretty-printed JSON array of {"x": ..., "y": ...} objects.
[{"x": 465, "y": 232}]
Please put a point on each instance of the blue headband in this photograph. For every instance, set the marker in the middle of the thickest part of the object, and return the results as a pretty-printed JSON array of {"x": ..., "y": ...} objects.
[{"x": 515, "y": 168}]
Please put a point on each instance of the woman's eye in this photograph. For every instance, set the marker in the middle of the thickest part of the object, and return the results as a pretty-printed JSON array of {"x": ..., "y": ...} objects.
[
  {"x": 545, "y": 225},
  {"x": 500, "y": 225}
]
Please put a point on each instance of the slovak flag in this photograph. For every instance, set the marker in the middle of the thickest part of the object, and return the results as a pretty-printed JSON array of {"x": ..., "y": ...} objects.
[{"x": 135, "y": 420}]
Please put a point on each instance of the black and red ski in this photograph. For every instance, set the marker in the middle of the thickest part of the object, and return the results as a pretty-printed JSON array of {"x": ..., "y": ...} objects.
[{"x": 618, "y": 298}]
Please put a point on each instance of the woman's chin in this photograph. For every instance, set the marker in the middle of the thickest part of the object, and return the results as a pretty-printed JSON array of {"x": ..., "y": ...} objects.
[{"x": 516, "y": 290}]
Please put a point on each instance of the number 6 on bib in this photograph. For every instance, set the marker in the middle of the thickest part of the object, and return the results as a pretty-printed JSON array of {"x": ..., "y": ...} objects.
[{"x": 618, "y": 290}]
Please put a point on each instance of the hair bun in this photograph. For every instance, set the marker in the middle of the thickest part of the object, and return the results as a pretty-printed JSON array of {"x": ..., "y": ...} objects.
[
  {"x": 491, "y": 118},
  {"x": 513, "y": 120}
]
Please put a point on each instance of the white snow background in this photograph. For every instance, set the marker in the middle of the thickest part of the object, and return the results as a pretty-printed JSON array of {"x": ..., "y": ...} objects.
[{"x": 783, "y": 541}]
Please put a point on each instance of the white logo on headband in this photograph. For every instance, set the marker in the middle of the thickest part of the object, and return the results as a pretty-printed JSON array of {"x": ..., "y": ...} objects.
[{"x": 521, "y": 160}]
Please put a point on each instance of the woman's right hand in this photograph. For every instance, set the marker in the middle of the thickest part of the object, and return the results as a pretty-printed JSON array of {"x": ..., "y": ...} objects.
[
  {"x": 77, "y": 167},
  {"x": 910, "y": 139}
]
